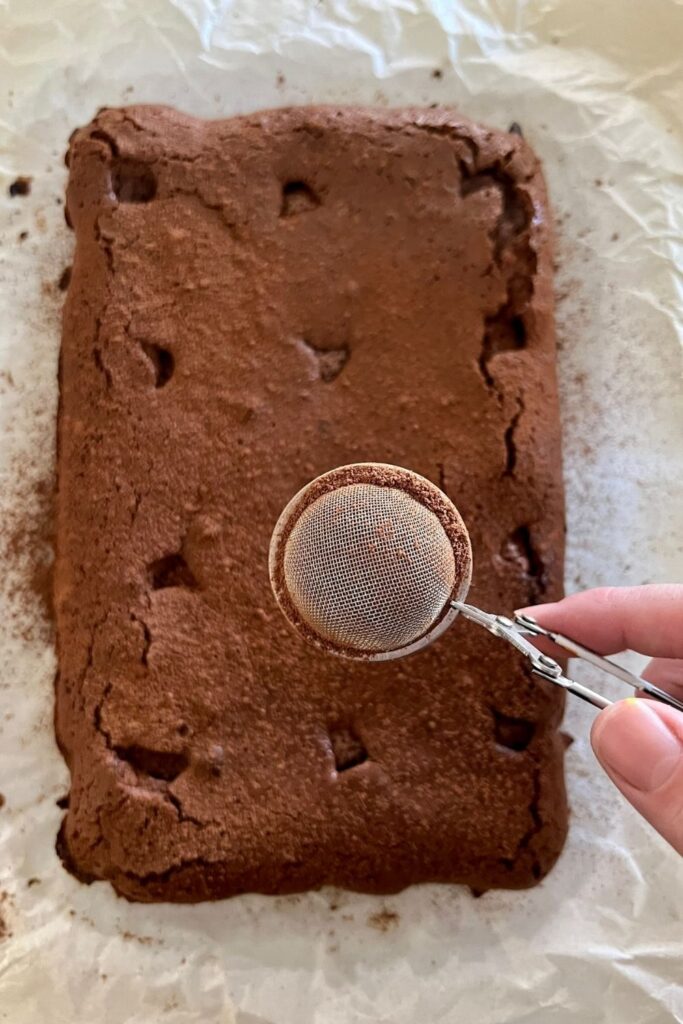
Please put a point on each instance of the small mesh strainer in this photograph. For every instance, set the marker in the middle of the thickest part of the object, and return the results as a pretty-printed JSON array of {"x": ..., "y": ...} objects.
[
  {"x": 372, "y": 561},
  {"x": 366, "y": 560}
]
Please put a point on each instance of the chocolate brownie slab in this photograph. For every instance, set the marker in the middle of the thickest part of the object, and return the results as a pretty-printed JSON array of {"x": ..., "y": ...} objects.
[{"x": 253, "y": 302}]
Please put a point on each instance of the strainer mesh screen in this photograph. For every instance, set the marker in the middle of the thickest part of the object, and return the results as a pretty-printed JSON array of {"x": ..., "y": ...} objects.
[{"x": 369, "y": 567}]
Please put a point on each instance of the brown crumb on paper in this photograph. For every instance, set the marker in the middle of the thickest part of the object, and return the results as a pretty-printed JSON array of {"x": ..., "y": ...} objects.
[
  {"x": 5, "y": 932},
  {"x": 144, "y": 940},
  {"x": 21, "y": 186},
  {"x": 383, "y": 920}
]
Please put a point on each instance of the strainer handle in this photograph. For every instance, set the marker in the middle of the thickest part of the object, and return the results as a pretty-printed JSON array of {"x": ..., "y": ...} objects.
[
  {"x": 578, "y": 689},
  {"x": 577, "y": 650},
  {"x": 515, "y": 631}
]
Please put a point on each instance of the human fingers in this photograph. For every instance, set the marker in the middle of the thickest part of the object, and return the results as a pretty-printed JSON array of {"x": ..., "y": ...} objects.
[
  {"x": 648, "y": 619},
  {"x": 667, "y": 673},
  {"x": 639, "y": 743}
]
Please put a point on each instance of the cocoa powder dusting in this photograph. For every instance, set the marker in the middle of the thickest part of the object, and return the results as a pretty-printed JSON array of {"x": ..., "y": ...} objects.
[
  {"x": 27, "y": 549},
  {"x": 170, "y": 643}
]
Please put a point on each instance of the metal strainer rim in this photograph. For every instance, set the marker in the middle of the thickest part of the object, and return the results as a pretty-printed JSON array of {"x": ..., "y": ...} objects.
[{"x": 383, "y": 475}]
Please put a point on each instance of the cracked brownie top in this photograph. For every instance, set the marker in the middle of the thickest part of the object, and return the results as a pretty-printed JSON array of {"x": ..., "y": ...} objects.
[{"x": 254, "y": 302}]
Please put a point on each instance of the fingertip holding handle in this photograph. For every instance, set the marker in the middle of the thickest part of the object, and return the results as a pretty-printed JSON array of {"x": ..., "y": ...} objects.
[{"x": 639, "y": 743}]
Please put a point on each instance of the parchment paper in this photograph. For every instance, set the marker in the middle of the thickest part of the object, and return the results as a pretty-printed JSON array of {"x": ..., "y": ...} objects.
[{"x": 597, "y": 89}]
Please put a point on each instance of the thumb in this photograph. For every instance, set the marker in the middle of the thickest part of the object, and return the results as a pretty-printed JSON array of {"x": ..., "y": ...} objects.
[{"x": 639, "y": 743}]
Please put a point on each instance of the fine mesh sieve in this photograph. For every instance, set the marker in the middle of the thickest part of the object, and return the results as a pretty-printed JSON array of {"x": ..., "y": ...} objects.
[{"x": 366, "y": 560}]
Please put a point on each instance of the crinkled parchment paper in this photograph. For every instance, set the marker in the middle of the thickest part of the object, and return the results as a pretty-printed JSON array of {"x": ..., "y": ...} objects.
[{"x": 597, "y": 89}]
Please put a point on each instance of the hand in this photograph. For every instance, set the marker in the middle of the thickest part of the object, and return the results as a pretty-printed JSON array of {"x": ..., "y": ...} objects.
[{"x": 638, "y": 742}]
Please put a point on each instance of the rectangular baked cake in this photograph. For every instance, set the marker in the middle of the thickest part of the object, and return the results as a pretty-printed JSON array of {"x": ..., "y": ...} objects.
[{"x": 253, "y": 302}]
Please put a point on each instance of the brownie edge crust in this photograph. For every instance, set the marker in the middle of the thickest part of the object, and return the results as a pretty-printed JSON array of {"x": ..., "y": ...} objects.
[{"x": 254, "y": 302}]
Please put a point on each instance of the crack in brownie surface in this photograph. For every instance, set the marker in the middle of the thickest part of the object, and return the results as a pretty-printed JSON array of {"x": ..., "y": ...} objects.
[{"x": 252, "y": 303}]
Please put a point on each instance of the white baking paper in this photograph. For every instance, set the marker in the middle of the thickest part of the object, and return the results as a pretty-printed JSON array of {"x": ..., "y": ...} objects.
[{"x": 597, "y": 89}]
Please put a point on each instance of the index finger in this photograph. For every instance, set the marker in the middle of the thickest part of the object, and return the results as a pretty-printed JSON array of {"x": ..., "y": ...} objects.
[{"x": 647, "y": 619}]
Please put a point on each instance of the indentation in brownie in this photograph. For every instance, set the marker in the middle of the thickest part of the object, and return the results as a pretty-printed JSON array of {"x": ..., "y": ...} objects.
[
  {"x": 165, "y": 765},
  {"x": 503, "y": 332},
  {"x": 64, "y": 279},
  {"x": 161, "y": 360},
  {"x": 513, "y": 224},
  {"x": 519, "y": 549},
  {"x": 102, "y": 136},
  {"x": 510, "y": 443},
  {"x": 471, "y": 183},
  {"x": 348, "y": 749},
  {"x": 513, "y": 733},
  {"x": 105, "y": 243},
  {"x": 104, "y": 370},
  {"x": 171, "y": 571},
  {"x": 516, "y": 212},
  {"x": 297, "y": 197},
  {"x": 146, "y": 638},
  {"x": 133, "y": 182},
  {"x": 331, "y": 361}
]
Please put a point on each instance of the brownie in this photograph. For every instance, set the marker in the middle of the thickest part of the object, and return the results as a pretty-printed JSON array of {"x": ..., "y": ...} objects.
[{"x": 253, "y": 302}]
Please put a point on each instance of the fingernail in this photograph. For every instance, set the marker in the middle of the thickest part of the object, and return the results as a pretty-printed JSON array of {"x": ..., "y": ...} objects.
[{"x": 632, "y": 740}]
